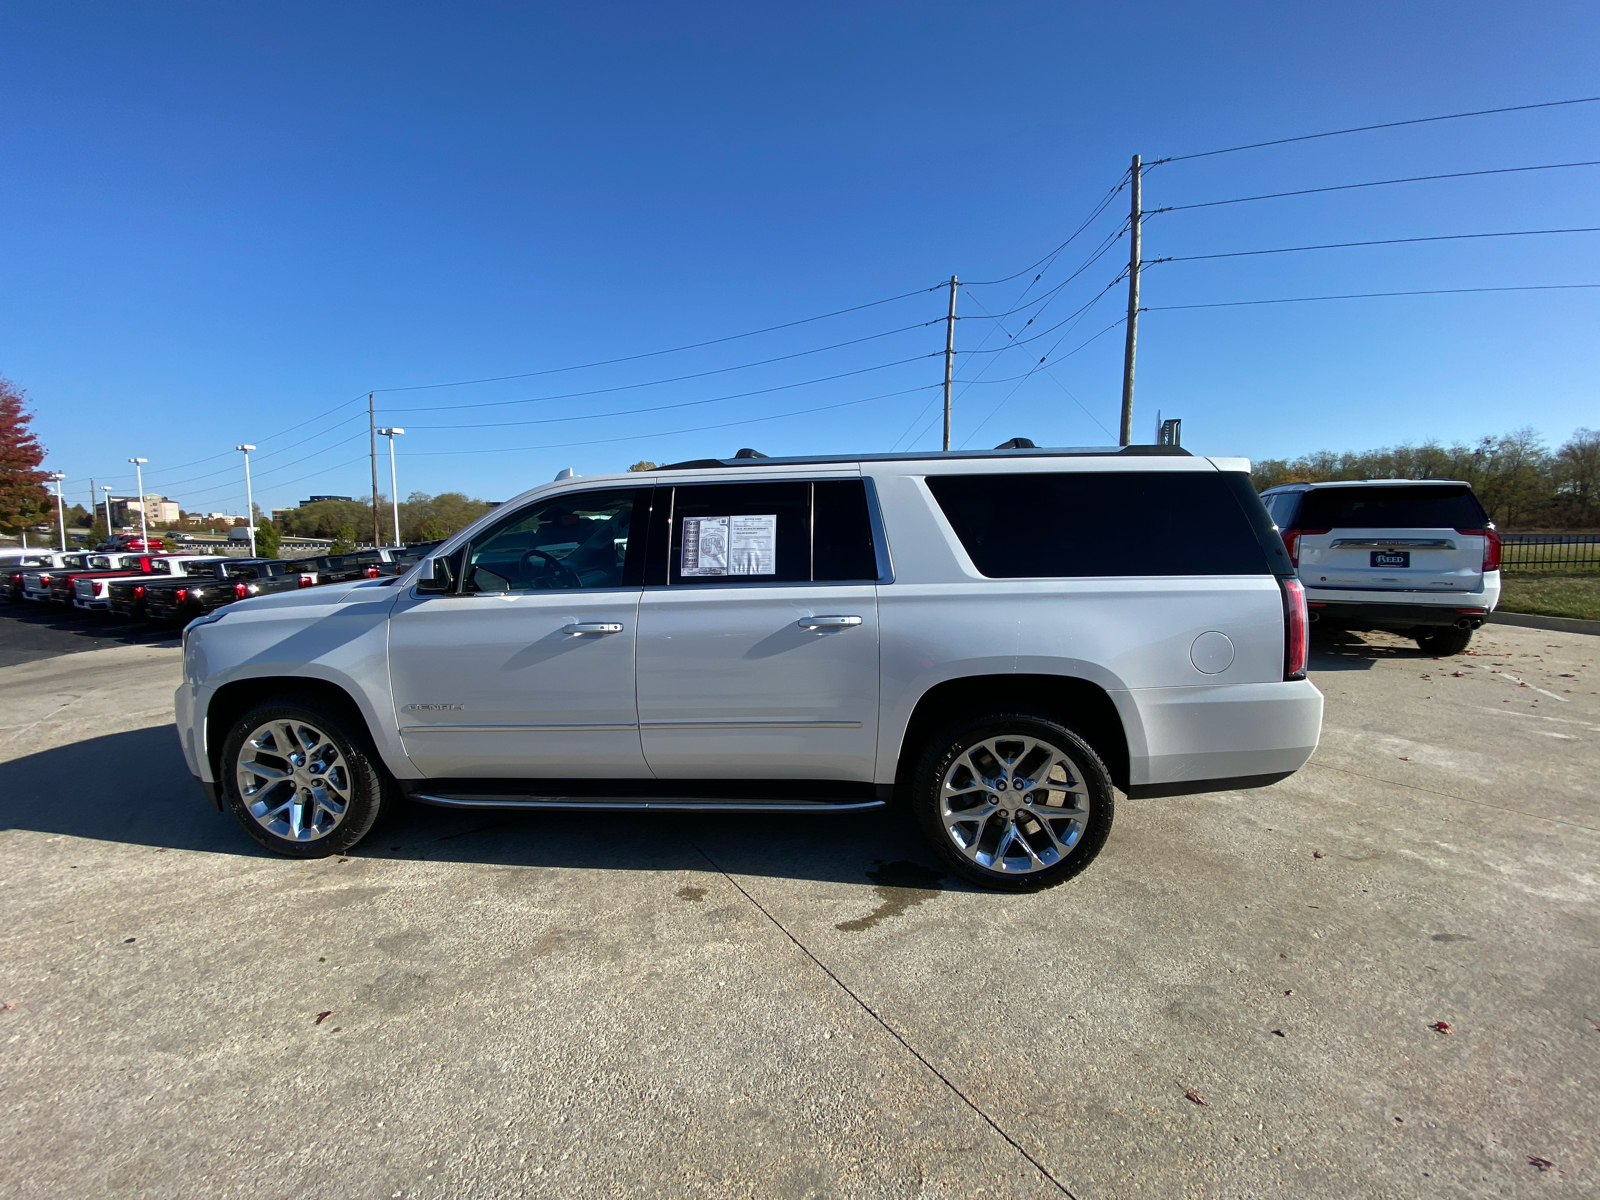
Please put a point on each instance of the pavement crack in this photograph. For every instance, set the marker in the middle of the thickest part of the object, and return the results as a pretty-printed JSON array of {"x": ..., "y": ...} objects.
[{"x": 887, "y": 1028}]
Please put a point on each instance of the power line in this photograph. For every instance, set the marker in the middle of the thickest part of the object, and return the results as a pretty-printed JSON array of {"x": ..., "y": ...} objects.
[
  {"x": 782, "y": 387},
  {"x": 1306, "y": 137},
  {"x": 635, "y": 437},
  {"x": 423, "y": 387},
  {"x": 1075, "y": 313},
  {"x": 1122, "y": 182},
  {"x": 626, "y": 387},
  {"x": 1540, "y": 287},
  {"x": 1344, "y": 187},
  {"x": 1445, "y": 237}
]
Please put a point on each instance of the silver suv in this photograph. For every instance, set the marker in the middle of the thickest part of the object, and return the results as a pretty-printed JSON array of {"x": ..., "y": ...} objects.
[
  {"x": 1414, "y": 556},
  {"x": 993, "y": 641}
]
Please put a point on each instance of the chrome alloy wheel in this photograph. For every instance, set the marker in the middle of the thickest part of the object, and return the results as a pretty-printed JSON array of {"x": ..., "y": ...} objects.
[
  {"x": 293, "y": 780},
  {"x": 1014, "y": 804}
]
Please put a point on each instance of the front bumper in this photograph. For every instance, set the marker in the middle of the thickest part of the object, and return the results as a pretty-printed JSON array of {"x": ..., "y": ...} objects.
[{"x": 1345, "y": 614}]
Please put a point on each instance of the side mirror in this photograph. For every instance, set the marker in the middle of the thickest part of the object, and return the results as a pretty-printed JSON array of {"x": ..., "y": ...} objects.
[{"x": 442, "y": 580}]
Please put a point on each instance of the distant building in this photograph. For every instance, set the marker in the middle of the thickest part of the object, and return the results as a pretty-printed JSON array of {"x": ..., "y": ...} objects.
[{"x": 320, "y": 499}]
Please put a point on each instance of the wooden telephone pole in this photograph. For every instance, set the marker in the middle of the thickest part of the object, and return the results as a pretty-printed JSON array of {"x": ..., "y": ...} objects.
[
  {"x": 1133, "y": 312},
  {"x": 372, "y": 435},
  {"x": 949, "y": 358}
]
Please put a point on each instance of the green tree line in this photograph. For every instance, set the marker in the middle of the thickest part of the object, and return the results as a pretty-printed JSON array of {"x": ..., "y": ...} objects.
[
  {"x": 423, "y": 518},
  {"x": 1522, "y": 482}
]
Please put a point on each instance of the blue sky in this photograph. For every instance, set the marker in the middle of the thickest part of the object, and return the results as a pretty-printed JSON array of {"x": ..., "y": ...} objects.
[{"x": 224, "y": 223}]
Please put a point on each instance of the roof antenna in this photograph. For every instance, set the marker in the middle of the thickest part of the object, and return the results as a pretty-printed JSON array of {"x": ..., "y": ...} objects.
[
  {"x": 565, "y": 473},
  {"x": 749, "y": 453},
  {"x": 1017, "y": 444}
]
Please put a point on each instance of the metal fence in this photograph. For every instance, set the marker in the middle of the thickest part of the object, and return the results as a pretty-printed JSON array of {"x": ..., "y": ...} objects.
[{"x": 1525, "y": 551}]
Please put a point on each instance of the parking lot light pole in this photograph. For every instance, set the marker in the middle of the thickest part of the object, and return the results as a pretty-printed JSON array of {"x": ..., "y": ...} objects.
[
  {"x": 144, "y": 525},
  {"x": 106, "y": 488},
  {"x": 249, "y": 497},
  {"x": 391, "y": 433},
  {"x": 61, "y": 513}
]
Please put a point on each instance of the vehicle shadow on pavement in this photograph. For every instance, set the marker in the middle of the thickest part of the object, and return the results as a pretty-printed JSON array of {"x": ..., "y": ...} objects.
[
  {"x": 1346, "y": 650},
  {"x": 134, "y": 788}
]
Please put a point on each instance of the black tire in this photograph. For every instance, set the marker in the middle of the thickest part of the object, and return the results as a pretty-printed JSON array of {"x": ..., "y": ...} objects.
[
  {"x": 1443, "y": 641},
  {"x": 364, "y": 782},
  {"x": 1082, "y": 769}
]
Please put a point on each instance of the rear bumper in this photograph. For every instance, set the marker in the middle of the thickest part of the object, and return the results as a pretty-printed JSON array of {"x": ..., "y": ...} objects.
[
  {"x": 1198, "y": 739},
  {"x": 1345, "y": 614}
]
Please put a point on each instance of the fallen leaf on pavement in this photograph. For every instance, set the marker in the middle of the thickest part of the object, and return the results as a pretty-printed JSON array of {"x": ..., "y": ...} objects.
[
  {"x": 1196, "y": 1098},
  {"x": 1544, "y": 1164},
  {"x": 7, "y": 1006},
  {"x": 1316, "y": 854},
  {"x": 1593, "y": 1022},
  {"x": 1289, "y": 992},
  {"x": 1403, "y": 758},
  {"x": 1441, "y": 1027},
  {"x": 323, "y": 1016},
  {"x": 125, "y": 941},
  {"x": 1279, "y": 1033}
]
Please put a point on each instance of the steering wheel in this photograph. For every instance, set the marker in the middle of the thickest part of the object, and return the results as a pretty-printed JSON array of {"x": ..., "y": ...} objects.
[{"x": 565, "y": 575}]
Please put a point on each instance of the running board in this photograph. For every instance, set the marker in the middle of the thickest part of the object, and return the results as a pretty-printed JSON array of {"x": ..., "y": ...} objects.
[
  {"x": 662, "y": 795},
  {"x": 655, "y": 804}
]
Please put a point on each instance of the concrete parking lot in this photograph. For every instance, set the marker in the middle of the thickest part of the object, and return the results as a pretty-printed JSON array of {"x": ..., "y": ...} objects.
[{"x": 1380, "y": 978}]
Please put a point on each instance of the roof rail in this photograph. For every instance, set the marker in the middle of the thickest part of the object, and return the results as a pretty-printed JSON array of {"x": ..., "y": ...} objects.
[{"x": 743, "y": 459}]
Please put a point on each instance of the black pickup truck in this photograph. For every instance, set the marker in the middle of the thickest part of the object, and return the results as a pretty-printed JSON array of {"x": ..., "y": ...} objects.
[
  {"x": 181, "y": 600},
  {"x": 369, "y": 564}
]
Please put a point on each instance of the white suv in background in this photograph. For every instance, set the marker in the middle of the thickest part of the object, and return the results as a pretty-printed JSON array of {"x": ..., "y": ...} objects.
[
  {"x": 1415, "y": 556},
  {"x": 993, "y": 640}
]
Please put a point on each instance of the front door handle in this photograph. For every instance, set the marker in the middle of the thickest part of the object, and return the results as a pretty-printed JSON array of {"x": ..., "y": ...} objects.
[
  {"x": 828, "y": 622},
  {"x": 593, "y": 627}
]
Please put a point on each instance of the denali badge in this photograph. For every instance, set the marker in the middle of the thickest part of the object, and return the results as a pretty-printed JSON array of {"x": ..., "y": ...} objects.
[{"x": 430, "y": 707}]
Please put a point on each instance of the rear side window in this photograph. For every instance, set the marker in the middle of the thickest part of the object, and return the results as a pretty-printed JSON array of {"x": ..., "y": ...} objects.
[
  {"x": 1089, "y": 524},
  {"x": 772, "y": 532},
  {"x": 1426, "y": 507}
]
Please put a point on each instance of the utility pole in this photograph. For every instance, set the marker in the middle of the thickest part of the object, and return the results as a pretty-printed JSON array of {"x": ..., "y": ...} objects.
[
  {"x": 372, "y": 434},
  {"x": 1133, "y": 310},
  {"x": 94, "y": 507},
  {"x": 949, "y": 358}
]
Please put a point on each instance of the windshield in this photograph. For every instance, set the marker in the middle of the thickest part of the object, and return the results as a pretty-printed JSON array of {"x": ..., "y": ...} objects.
[{"x": 1450, "y": 506}]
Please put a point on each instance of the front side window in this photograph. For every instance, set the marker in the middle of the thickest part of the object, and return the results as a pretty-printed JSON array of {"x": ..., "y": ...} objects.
[{"x": 576, "y": 540}]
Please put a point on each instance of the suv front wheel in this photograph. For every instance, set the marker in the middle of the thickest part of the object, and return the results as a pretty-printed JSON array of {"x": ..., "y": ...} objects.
[
  {"x": 1014, "y": 801},
  {"x": 300, "y": 777}
]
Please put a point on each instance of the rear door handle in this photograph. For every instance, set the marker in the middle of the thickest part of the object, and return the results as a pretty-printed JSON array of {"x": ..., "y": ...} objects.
[
  {"x": 828, "y": 622},
  {"x": 593, "y": 627}
]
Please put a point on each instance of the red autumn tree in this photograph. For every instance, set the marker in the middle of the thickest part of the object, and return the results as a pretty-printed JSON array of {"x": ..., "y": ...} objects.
[{"x": 23, "y": 497}]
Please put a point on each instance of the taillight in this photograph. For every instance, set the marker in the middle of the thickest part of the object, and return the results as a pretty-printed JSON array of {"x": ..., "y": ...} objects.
[
  {"x": 1491, "y": 546},
  {"x": 100, "y": 588},
  {"x": 138, "y": 591},
  {"x": 181, "y": 595},
  {"x": 44, "y": 581},
  {"x": 371, "y": 572},
  {"x": 305, "y": 581},
  {"x": 240, "y": 591},
  {"x": 1291, "y": 542},
  {"x": 1294, "y": 629}
]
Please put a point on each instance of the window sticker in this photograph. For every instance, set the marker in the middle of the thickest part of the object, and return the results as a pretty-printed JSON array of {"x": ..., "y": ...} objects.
[
  {"x": 705, "y": 546},
  {"x": 722, "y": 546},
  {"x": 754, "y": 546}
]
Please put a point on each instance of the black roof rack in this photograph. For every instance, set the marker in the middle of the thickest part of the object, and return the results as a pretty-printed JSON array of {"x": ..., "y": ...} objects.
[{"x": 706, "y": 464}]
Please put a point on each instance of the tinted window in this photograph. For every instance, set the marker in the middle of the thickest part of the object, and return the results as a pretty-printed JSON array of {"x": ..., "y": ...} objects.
[
  {"x": 1391, "y": 508},
  {"x": 741, "y": 533},
  {"x": 1086, "y": 524},
  {"x": 576, "y": 540},
  {"x": 841, "y": 536}
]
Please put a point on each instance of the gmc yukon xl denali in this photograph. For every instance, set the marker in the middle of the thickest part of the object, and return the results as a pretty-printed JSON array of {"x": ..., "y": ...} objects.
[{"x": 992, "y": 641}]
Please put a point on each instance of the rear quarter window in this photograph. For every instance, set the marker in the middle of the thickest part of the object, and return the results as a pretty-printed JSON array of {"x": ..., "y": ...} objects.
[
  {"x": 1426, "y": 507},
  {"x": 1135, "y": 523}
]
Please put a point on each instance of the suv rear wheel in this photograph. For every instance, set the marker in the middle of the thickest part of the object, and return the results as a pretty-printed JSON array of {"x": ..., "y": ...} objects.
[
  {"x": 1444, "y": 641},
  {"x": 301, "y": 778},
  {"x": 1015, "y": 801}
]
